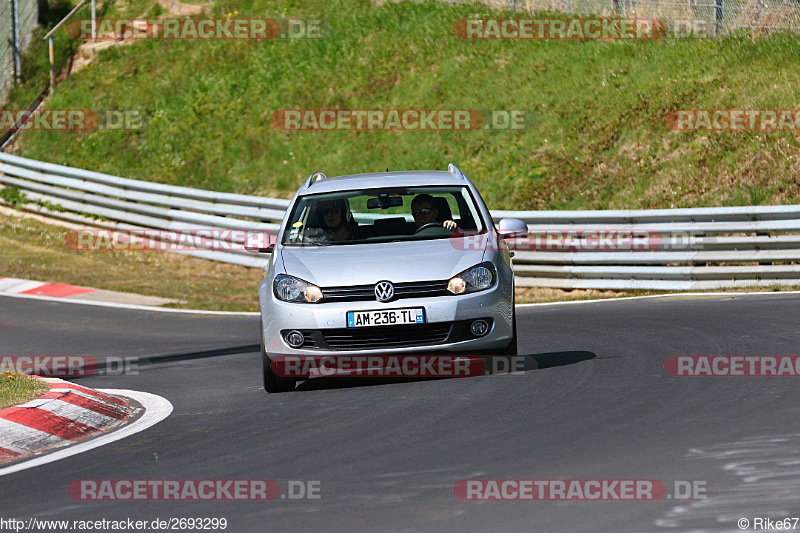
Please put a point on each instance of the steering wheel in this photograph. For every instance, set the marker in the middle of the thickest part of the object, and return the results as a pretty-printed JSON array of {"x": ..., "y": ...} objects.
[{"x": 429, "y": 225}]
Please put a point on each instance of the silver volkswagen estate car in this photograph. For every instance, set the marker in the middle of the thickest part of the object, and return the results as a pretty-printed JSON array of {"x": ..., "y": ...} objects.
[{"x": 387, "y": 263}]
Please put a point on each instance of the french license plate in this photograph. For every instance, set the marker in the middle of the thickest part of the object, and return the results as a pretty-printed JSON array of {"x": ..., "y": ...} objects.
[{"x": 388, "y": 317}]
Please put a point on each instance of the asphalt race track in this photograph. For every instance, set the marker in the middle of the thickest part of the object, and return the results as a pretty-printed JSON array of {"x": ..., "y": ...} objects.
[{"x": 594, "y": 403}]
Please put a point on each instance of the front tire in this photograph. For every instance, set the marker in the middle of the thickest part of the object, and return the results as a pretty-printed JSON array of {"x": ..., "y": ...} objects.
[{"x": 272, "y": 381}]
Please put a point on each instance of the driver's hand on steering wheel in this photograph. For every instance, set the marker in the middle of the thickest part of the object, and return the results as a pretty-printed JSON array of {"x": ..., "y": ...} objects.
[{"x": 449, "y": 224}]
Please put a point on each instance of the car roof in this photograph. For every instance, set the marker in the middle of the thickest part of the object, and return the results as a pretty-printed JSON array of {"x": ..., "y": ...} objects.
[{"x": 415, "y": 178}]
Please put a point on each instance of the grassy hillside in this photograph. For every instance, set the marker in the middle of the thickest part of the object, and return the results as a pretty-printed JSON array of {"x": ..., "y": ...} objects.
[{"x": 599, "y": 139}]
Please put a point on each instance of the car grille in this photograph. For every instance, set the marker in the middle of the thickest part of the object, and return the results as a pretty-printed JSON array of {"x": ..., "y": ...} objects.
[
  {"x": 386, "y": 337},
  {"x": 414, "y": 289}
]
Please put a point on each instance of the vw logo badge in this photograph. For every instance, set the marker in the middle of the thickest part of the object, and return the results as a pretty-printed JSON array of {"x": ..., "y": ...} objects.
[{"x": 384, "y": 291}]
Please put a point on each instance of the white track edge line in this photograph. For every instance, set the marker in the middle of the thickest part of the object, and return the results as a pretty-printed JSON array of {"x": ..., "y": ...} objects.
[
  {"x": 156, "y": 409},
  {"x": 131, "y": 306},
  {"x": 668, "y": 295}
]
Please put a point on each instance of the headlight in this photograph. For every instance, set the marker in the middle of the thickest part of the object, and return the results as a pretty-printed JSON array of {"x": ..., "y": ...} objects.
[
  {"x": 478, "y": 278},
  {"x": 291, "y": 289}
]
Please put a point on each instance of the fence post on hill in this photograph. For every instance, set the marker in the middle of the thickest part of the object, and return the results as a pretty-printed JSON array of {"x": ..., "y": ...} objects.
[
  {"x": 15, "y": 45},
  {"x": 718, "y": 17},
  {"x": 49, "y": 39}
]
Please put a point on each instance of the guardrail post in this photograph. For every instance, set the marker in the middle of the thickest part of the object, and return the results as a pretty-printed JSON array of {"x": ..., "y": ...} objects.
[
  {"x": 52, "y": 65},
  {"x": 94, "y": 21}
]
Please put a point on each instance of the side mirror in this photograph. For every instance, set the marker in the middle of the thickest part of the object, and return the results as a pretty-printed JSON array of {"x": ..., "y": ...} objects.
[
  {"x": 511, "y": 227},
  {"x": 260, "y": 241}
]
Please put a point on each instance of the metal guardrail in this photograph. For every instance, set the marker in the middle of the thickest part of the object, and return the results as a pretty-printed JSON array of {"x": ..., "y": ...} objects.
[
  {"x": 101, "y": 200},
  {"x": 687, "y": 249}
]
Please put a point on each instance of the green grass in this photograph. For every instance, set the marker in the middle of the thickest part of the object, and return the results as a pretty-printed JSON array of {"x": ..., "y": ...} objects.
[
  {"x": 32, "y": 250},
  {"x": 12, "y": 195},
  {"x": 19, "y": 388},
  {"x": 599, "y": 139}
]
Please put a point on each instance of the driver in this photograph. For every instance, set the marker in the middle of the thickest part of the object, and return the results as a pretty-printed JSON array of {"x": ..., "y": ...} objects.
[{"x": 424, "y": 210}]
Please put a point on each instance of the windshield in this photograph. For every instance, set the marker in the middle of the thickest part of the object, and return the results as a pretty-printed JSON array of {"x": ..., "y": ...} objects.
[{"x": 382, "y": 215}]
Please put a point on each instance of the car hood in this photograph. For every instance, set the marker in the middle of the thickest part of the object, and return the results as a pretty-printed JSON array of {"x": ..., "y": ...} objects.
[{"x": 366, "y": 264}]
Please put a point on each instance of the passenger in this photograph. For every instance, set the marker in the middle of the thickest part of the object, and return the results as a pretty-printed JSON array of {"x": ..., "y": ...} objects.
[
  {"x": 424, "y": 210},
  {"x": 336, "y": 221}
]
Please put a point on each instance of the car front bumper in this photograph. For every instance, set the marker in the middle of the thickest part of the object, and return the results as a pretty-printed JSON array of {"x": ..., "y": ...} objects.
[{"x": 494, "y": 304}]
